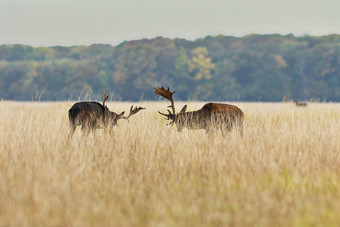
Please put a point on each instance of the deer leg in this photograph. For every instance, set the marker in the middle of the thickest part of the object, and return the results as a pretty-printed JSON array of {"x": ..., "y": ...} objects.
[
  {"x": 93, "y": 130},
  {"x": 85, "y": 130},
  {"x": 239, "y": 126},
  {"x": 110, "y": 130},
  {"x": 211, "y": 133},
  {"x": 223, "y": 130},
  {"x": 93, "y": 127},
  {"x": 240, "y": 129},
  {"x": 72, "y": 129},
  {"x": 179, "y": 129},
  {"x": 111, "y": 134}
]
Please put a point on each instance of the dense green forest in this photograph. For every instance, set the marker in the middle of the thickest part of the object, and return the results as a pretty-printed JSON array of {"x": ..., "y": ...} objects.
[{"x": 220, "y": 68}]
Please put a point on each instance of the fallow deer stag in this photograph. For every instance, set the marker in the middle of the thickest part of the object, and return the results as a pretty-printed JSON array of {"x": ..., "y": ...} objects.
[
  {"x": 93, "y": 115},
  {"x": 210, "y": 117}
]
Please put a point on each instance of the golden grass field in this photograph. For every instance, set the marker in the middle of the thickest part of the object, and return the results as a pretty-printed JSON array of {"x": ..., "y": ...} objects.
[{"x": 284, "y": 171}]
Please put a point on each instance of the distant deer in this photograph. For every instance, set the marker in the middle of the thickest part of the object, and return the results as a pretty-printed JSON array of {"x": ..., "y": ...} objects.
[
  {"x": 211, "y": 116},
  {"x": 93, "y": 115},
  {"x": 300, "y": 104}
]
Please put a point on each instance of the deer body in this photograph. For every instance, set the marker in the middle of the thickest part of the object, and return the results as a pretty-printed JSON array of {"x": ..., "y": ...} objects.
[
  {"x": 211, "y": 116},
  {"x": 93, "y": 115},
  {"x": 300, "y": 104}
]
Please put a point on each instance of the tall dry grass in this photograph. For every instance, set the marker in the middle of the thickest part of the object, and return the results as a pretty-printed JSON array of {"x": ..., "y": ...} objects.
[{"x": 285, "y": 171}]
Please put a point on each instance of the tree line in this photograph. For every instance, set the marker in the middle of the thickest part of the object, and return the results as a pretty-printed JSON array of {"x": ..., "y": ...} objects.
[{"x": 220, "y": 68}]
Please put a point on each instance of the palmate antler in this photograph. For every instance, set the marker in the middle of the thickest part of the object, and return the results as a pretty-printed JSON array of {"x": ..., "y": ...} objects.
[
  {"x": 106, "y": 96},
  {"x": 168, "y": 95},
  {"x": 133, "y": 111}
]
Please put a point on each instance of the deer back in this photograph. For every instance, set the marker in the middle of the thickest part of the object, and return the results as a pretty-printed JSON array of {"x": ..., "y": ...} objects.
[
  {"x": 225, "y": 113},
  {"x": 223, "y": 110},
  {"x": 84, "y": 112}
]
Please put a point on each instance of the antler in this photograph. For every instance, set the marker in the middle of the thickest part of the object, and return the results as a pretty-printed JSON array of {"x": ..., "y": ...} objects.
[
  {"x": 133, "y": 111},
  {"x": 106, "y": 96},
  {"x": 168, "y": 95}
]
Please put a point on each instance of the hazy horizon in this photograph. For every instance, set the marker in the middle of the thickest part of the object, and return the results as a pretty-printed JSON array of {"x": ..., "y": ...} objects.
[{"x": 67, "y": 23}]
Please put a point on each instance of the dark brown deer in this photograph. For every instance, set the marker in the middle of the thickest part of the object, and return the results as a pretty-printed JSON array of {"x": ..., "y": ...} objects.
[
  {"x": 300, "y": 104},
  {"x": 210, "y": 117},
  {"x": 93, "y": 115}
]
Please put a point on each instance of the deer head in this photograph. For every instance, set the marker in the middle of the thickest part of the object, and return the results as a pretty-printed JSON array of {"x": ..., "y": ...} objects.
[
  {"x": 111, "y": 117},
  {"x": 168, "y": 95}
]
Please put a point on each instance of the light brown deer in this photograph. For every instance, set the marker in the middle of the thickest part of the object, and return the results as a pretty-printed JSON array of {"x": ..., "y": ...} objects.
[
  {"x": 93, "y": 115},
  {"x": 210, "y": 117}
]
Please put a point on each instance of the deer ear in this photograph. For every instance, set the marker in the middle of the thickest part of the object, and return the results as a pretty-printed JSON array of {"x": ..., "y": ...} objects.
[
  {"x": 122, "y": 113},
  {"x": 183, "y": 109}
]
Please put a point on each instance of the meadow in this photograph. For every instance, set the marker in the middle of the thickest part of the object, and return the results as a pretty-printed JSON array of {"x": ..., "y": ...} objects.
[{"x": 284, "y": 171}]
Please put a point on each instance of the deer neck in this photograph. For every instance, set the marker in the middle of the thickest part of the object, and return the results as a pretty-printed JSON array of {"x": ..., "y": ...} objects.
[{"x": 190, "y": 120}]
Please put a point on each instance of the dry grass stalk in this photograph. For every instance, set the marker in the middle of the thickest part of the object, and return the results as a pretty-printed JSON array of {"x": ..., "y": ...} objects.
[{"x": 284, "y": 171}]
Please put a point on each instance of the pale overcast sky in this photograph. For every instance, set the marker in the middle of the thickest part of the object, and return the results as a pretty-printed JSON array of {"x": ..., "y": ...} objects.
[{"x": 77, "y": 22}]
